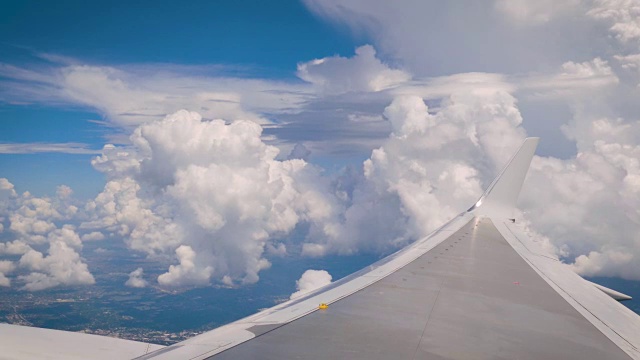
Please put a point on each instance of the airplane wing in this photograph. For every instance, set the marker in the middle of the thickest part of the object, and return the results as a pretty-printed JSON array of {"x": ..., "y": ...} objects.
[
  {"x": 476, "y": 288},
  {"x": 24, "y": 342}
]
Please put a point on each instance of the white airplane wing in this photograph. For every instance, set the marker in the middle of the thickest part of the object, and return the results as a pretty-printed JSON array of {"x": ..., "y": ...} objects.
[
  {"x": 23, "y": 342},
  {"x": 476, "y": 288}
]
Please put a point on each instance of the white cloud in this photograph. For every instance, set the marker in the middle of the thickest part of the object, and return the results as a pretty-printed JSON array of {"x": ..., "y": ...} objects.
[
  {"x": 67, "y": 235},
  {"x": 136, "y": 280},
  {"x": 588, "y": 206},
  {"x": 93, "y": 236},
  {"x": 363, "y": 72},
  {"x": 15, "y": 247},
  {"x": 4, "y": 280},
  {"x": 64, "y": 192},
  {"x": 586, "y": 202},
  {"x": 596, "y": 67},
  {"x": 33, "y": 219},
  {"x": 7, "y": 195},
  {"x": 61, "y": 266},
  {"x": 39, "y": 222},
  {"x": 630, "y": 68},
  {"x": 210, "y": 194},
  {"x": 186, "y": 272},
  {"x": 431, "y": 37},
  {"x": 523, "y": 12},
  {"x": 431, "y": 167},
  {"x": 7, "y": 187},
  {"x": 311, "y": 280},
  {"x": 39, "y": 147},
  {"x": 575, "y": 80},
  {"x": 276, "y": 249},
  {"x": 629, "y": 61},
  {"x": 5, "y": 268},
  {"x": 170, "y": 191},
  {"x": 314, "y": 250},
  {"x": 101, "y": 251},
  {"x": 131, "y": 95},
  {"x": 623, "y": 17},
  {"x": 609, "y": 263}
]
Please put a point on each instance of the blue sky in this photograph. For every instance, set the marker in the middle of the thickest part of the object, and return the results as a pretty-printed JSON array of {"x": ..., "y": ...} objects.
[
  {"x": 246, "y": 38},
  {"x": 272, "y": 36}
]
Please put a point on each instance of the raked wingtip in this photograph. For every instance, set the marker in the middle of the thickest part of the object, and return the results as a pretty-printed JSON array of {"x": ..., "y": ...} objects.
[{"x": 499, "y": 200}]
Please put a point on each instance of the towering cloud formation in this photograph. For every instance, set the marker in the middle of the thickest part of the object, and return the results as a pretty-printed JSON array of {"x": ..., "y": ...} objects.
[
  {"x": 588, "y": 206},
  {"x": 585, "y": 202},
  {"x": 209, "y": 194},
  {"x": 431, "y": 167}
]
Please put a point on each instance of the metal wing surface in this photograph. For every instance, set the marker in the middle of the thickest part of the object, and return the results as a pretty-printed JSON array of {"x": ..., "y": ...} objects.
[
  {"x": 23, "y": 342},
  {"x": 477, "y": 288}
]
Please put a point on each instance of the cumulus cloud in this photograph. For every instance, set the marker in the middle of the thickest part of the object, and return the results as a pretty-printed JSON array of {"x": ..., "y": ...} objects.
[
  {"x": 186, "y": 272},
  {"x": 363, "y": 72},
  {"x": 588, "y": 206},
  {"x": 39, "y": 223},
  {"x": 629, "y": 61},
  {"x": 7, "y": 195},
  {"x": 136, "y": 280},
  {"x": 623, "y": 17},
  {"x": 186, "y": 186},
  {"x": 15, "y": 247},
  {"x": 431, "y": 167},
  {"x": 61, "y": 266},
  {"x": 584, "y": 202},
  {"x": 5, "y": 268},
  {"x": 93, "y": 236},
  {"x": 33, "y": 218},
  {"x": 311, "y": 280},
  {"x": 4, "y": 280},
  {"x": 208, "y": 194},
  {"x": 63, "y": 192}
]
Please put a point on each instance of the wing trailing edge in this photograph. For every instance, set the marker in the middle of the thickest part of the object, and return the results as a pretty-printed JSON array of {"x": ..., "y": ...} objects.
[{"x": 499, "y": 200}]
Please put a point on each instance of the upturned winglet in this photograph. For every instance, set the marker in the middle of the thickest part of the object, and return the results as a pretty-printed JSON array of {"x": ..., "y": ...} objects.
[{"x": 499, "y": 200}]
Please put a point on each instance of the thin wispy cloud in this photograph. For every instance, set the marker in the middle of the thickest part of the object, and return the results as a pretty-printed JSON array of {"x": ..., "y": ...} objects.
[{"x": 42, "y": 147}]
